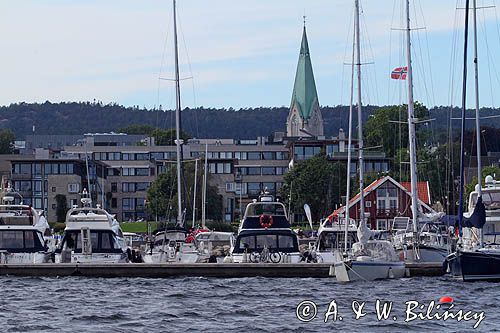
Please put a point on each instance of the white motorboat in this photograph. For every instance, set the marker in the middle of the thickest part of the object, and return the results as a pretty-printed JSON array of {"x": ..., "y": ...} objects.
[
  {"x": 265, "y": 234},
  {"x": 169, "y": 246},
  {"x": 22, "y": 232},
  {"x": 92, "y": 235}
]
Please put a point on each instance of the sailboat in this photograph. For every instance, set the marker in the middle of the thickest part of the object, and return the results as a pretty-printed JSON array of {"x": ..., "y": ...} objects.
[
  {"x": 169, "y": 242},
  {"x": 413, "y": 244},
  {"x": 368, "y": 259},
  {"x": 476, "y": 259}
]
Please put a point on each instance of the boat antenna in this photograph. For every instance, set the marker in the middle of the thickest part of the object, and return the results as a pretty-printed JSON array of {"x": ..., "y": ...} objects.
[{"x": 464, "y": 95}]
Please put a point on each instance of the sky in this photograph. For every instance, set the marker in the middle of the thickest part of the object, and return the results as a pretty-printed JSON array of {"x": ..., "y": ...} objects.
[{"x": 235, "y": 53}]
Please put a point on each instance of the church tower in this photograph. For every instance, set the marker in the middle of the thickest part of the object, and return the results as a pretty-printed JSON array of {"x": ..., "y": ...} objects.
[{"x": 304, "y": 118}]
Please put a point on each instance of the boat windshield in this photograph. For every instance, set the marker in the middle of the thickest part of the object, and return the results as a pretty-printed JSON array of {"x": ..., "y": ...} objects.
[
  {"x": 103, "y": 241},
  {"x": 335, "y": 240},
  {"x": 13, "y": 240},
  {"x": 265, "y": 208},
  {"x": 271, "y": 241},
  {"x": 491, "y": 200}
]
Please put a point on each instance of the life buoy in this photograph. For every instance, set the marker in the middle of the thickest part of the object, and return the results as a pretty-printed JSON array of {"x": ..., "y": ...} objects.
[{"x": 266, "y": 220}]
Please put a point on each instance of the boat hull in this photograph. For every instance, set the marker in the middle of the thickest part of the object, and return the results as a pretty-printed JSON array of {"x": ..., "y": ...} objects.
[
  {"x": 25, "y": 258},
  {"x": 475, "y": 265},
  {"x": 425, "y": 254},
  {"x": 348, "y": 271}
]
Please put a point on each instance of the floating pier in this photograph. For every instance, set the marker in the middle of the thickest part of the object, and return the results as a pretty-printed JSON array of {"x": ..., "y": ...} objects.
[{"x": 220, "y": 270}]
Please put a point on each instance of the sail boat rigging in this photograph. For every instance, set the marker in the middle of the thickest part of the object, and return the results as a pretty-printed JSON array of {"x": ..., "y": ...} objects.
[
  {"x": 475, "y": 261},
  {"x": 368, "y": 259}
]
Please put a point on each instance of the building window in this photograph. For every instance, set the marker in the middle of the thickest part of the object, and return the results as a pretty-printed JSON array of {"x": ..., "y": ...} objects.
[
  {"x": 114, "y": 187},
  {"x": 253, "y": 155},
  {"x": 368, "y": 204},
  {"x": 381, "y": 224},
  {"x": 268, "y": 155},
  {"x": 114, "y": 203},
  {"x": 230, "y": 187},
  {"x": 128, "y": 203},
  {"x": 73, "y": 188},
  {"x": 269, "y": 170},
  {"x": 54, "y": 189}
]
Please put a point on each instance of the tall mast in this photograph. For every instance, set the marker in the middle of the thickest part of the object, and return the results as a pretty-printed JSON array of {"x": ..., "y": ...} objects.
[
  {"x": 349, "y": 143},
  {"x": 464, "y": 95},
  {"x": 411, "y": 125},
  {"x": 194, "y": 190},
  {"x": 478, "y": 129},
  {"x": 360, "y": 120},
  {"x": 177, "y": 124},
  {"x": 204, "y": 194}
]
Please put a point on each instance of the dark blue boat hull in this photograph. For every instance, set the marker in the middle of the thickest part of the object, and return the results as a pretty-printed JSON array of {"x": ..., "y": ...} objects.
[{"x": 474, "y": 265}]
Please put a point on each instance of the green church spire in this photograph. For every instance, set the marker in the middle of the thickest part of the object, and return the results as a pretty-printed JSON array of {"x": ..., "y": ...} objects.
[{"x": 304, "y": 95}]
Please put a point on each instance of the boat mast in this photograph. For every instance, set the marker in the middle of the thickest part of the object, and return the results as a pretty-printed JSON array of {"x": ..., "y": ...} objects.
[
  {"x": 478, "y": 129},
  {"x": 204, "y": 194},
  {"x": 411, "y": 125},
  {"x": 464, "y": 95},
  {"x": 194, "y": 190},
  {"x": 349, "y": 143},
  {"x": 360, "y": 120},
  {"x": 177, "y": 124}
]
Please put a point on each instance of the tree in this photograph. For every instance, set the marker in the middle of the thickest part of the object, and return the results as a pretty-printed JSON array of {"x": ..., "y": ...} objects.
[
  {"x": 61, "y": 207},
  {"x": 167, "y": 137},
  {"x": 162, "y": 195},
  {"x": 6, "y": 141},
  {"x": 317, "y": 182},
  {"x": 384, "y": 128},
  {"x": 137, "y": 129}
]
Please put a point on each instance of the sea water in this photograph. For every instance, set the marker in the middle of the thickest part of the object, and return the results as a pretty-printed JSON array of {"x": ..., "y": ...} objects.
[{"x": 79, "y": 304}]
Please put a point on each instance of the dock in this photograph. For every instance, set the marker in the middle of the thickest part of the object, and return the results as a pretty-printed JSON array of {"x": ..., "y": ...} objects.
[{"x": 168, "y": 270}]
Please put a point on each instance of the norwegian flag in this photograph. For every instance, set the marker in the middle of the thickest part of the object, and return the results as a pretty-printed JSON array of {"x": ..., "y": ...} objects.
[{"x": 399, "y": 73}]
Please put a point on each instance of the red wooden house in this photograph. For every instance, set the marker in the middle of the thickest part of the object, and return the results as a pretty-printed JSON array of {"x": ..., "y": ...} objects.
[{"x": 386, "y": 199}]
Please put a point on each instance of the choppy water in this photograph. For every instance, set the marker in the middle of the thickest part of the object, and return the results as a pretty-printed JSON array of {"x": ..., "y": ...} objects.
[{"x": 77, "y": 304}]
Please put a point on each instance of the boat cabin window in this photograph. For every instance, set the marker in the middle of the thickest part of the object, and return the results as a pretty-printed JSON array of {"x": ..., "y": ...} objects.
[
  {"x": 268, "y": 209},
  {"x": 102, "y": 241},
  {"x": 285, "y": 243},
  {"x": 20, "y": 240},
  {"x": 331, "y": 240},
  {"x": 491, "y": 200}
]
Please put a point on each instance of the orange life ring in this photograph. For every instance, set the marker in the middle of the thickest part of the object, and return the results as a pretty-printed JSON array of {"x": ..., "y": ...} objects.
[{"x": 266, "y": 220}]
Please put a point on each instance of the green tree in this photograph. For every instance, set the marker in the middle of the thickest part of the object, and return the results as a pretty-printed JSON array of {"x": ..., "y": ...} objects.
[
  {"x": 385, "y": 128},
  {"x": 6, "y": 141},
  {"x": 317, "y": 182},
  {"x": 137, "y": 129},
  {"x": 167, "y": 137},
  {"x": 61, "y": 207},
  {"x": 162, "y": 195}
]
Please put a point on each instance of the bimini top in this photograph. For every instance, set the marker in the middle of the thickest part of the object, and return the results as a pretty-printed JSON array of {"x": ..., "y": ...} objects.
[{"x": 265, "y": 214}]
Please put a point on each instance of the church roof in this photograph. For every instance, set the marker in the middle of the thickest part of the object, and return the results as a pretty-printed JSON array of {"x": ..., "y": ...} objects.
[{"x": 304, "y": 90}]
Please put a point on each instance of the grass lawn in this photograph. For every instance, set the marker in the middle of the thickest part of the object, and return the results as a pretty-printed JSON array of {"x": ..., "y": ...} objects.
[{"x": 138, "y": 227}]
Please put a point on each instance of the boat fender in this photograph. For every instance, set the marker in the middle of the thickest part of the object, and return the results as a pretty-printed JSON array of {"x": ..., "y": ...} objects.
[
  {"x": 266, "y": 220},
  {"x": 129, "y": 255},
  {"x": 391, "y": 273}
]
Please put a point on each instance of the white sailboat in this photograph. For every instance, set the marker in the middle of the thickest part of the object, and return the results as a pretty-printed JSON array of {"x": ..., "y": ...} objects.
[
  {"x": 368, "y": 259},
  {"x": 410, "y": 243}
]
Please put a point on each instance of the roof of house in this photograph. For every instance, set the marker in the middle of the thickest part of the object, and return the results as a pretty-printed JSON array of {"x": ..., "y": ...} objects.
[
  {"x": 423, "y": 191},
  {"x": 373, "y": 186},
  {"x": 304, "y": 90}
]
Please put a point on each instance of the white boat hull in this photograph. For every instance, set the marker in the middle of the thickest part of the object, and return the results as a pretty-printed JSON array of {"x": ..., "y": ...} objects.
[
  {"x": 348, "y": 271},
  {"x": 96, "y": 258},
  {"x": 291, "y": 258},
  {"x": 24, "y": 258}
]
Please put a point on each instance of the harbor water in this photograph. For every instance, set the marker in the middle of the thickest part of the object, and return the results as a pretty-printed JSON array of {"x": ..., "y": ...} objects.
[{"x": 79, "y": 304}]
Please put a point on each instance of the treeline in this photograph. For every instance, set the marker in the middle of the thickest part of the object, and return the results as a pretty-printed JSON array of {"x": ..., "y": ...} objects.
[{"x": 246, "y": 123}]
